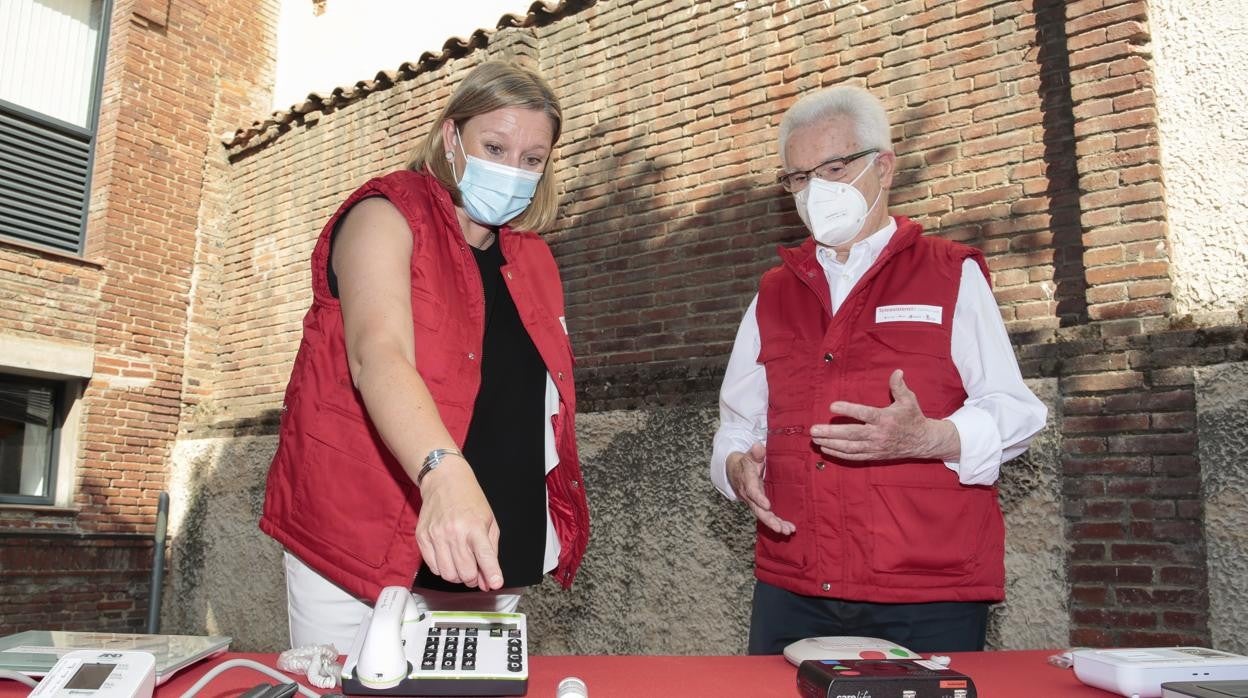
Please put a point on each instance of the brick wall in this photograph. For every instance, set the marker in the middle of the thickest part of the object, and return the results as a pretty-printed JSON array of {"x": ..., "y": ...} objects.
[
  {"x": 185, "y": 72},
  {"x": 672, "y": 206},
  {"x": 47, "y": 296},
  {"x": 177, "y": 74},
  {"x": 1132, "y": 475},
  {"x": 74, "y": 581}
]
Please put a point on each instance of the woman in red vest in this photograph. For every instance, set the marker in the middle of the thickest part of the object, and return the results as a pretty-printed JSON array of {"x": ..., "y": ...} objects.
[{"x": 427, "y": 437}]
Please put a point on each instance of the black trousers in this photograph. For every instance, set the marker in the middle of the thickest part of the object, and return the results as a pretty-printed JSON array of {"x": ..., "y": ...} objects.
[{"x": 780, "y": 617}]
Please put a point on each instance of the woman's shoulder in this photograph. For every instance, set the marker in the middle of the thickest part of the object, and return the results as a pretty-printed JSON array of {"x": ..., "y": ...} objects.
[
  {"x": 403, "y": 189},
  {"x": 405, "y": 195},
  {"x": 399, "y": 184}
]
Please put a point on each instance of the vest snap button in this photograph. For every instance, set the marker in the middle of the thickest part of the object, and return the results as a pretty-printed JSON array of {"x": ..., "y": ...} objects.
[
  {"x": 575, "y": 484},
  {"x": 561, "y": 375},
  {"x": 827, "y": 358},
  {"x": 826, "y": 587},
  {"x": 820, "y": 465},
  {"x": 472, "y": 356}
]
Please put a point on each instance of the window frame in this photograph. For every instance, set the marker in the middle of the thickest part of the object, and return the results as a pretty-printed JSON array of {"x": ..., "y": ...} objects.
[
  {"x": 90, "y": 133},
  {"x": 60, "y": 408}
]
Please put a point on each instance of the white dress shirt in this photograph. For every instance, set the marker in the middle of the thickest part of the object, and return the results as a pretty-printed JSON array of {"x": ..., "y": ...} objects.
[{"x": 996, "y": 423}]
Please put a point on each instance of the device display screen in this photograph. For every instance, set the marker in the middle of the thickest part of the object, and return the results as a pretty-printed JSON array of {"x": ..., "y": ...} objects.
[{"x": 90, "y": 676}]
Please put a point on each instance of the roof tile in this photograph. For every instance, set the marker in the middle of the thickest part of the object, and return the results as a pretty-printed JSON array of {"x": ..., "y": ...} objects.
[{"x": 541, "y": 13}]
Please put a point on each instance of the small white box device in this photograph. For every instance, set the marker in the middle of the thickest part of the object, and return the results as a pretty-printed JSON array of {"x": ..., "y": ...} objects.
[
  {"x": 845, "y": 647},
  {"x": 100, "y": 674},
  {"x": 1139, "y": 672}
]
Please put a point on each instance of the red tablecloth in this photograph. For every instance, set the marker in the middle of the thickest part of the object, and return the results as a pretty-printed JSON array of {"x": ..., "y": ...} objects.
[{"x": 1016, "y": 674}]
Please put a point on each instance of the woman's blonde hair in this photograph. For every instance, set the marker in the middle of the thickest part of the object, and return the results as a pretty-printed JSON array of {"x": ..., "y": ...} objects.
[{"x": 496, "y": 85}]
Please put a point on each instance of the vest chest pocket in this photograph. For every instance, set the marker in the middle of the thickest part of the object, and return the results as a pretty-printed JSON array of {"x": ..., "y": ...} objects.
[
  {"x": 775, "y": 347},
  {"x": 791, "y": 363},
  {"x": 923, "y": 352},
  {"x": 912, "y": 338},
  {"x": 438, "y": 352}
]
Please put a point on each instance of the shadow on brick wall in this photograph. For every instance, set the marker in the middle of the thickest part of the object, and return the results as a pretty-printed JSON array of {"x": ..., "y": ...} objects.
[
  {"x": 225, "y": 576},
  {"x": 1058, "y": 124}
]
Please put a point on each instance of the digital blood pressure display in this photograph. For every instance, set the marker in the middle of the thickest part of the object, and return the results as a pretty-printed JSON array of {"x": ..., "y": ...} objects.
[{"x": 100, "y": 674}]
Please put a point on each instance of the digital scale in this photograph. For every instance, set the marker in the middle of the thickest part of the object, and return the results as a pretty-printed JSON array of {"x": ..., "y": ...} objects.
[
  {"x": 99, "y": 674},
  {"x": 35, "y": 652},
  {"x": 400, "y": 652},
  {"x": 1139, "y": 672}
]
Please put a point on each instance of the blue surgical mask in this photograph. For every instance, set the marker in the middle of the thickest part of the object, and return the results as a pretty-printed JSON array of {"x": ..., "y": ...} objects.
[{"x": 492, "y": 193}]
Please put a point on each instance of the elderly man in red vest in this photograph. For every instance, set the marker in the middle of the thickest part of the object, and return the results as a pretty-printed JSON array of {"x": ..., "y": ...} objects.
[{"x": 870, "y": 400}]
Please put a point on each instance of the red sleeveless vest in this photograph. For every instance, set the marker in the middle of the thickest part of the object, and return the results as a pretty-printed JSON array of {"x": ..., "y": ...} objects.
[
  {"x": 887, "y": 532},
  {"x": 336, "y": 497}
]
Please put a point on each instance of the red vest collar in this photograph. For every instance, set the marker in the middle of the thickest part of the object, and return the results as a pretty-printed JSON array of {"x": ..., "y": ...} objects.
[{"x": 802, "y": 261}]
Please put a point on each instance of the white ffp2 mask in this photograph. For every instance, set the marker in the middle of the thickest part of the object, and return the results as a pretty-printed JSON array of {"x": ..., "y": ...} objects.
[{"x": 834, "y": 211}]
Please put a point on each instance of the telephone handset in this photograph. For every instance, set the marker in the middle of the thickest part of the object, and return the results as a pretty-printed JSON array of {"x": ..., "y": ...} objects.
[
  {"x": 401, "y": 651},
  {"x": 845, "y": 647},
  {"x": 382, "y": 662}
]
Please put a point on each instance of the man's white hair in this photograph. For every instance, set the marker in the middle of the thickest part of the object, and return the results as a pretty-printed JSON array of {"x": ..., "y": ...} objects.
[{"x": 863, "y": 109}]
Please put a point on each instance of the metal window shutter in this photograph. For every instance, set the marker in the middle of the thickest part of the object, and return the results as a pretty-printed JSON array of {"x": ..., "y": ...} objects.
[{"x": 44, "y": 174}]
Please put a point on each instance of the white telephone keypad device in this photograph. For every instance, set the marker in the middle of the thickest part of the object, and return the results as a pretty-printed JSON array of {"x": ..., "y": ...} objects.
[
  {"x": 1139, "y": 672},
  {"x": 402, "y": 652}
]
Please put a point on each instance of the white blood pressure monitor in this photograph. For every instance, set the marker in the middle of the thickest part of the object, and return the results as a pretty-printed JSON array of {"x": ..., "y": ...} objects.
[{"x": 100, "y": 674}]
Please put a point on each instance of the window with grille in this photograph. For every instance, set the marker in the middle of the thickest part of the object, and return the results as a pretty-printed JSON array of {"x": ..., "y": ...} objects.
[{"x": 52, "y": 53}]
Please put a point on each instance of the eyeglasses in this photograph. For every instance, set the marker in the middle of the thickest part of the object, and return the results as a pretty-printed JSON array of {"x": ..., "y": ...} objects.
[{"x": 829, "y": 170}]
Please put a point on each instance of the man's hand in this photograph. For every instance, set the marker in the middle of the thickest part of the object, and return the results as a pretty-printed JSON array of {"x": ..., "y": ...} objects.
[
  {"x": 457, "y": 533},
  {"x": 745, "y": 474},
  {"x": 888, "y": 433}
]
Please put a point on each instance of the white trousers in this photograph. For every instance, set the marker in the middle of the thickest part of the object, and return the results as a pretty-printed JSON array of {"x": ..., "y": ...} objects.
[{"x": 322, "y": 613}]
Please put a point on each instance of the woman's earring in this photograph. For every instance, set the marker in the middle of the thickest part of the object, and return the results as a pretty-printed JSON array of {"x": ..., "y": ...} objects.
[{"x": 450, "y": 155}]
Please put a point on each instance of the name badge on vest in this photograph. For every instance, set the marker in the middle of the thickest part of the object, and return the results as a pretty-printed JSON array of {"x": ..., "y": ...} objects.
[{"x": 909, "y": 313}]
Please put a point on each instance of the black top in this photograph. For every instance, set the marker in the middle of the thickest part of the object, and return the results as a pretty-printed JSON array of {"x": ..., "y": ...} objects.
[{"x": 506, "y": 438}]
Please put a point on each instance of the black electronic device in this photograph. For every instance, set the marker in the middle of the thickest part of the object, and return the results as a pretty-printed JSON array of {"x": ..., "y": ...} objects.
[{"x": 881, "y": 678}]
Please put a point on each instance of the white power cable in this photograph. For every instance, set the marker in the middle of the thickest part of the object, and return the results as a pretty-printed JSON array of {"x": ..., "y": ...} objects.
[
  {"x": 217, "y": 670},
  {"x": 19, "y": 677}
]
